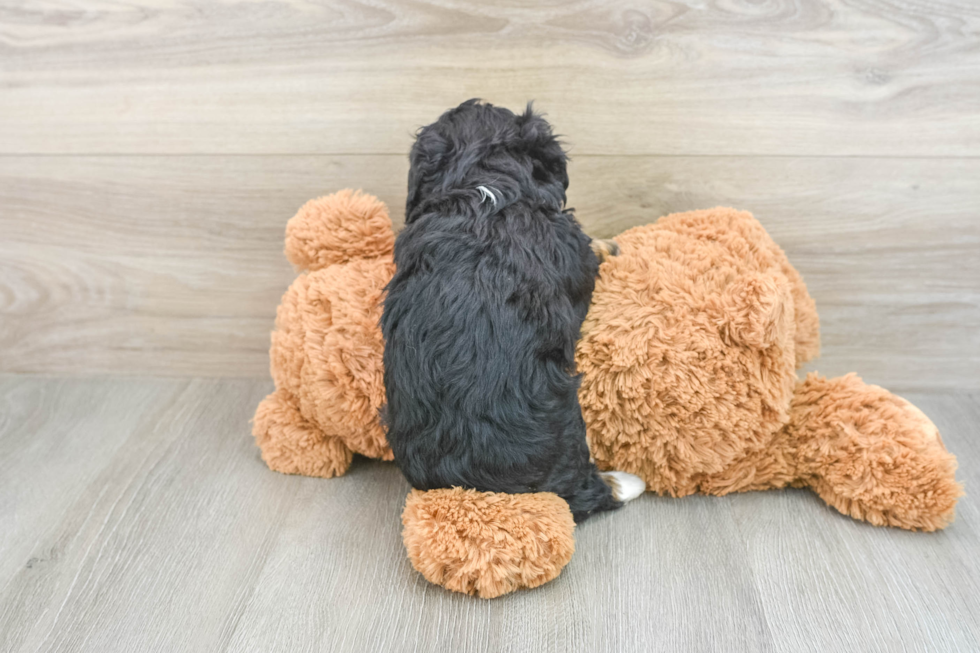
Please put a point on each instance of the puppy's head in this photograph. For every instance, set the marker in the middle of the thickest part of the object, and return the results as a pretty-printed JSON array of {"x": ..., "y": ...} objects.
[{"x": 479, "y": 145}]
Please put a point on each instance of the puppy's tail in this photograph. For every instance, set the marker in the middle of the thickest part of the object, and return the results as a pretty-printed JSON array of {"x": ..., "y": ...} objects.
[{"x": 625, "y": 486}]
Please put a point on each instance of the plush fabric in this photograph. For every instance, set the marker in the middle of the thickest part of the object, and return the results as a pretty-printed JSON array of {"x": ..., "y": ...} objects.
[
  {"x": 487, "y": 543},
  {"x": 688, "y": 380},
  {"x": 870, "y": 454},
  {"x": 688, "y": 358},
  {"x": 326, "y": 349},
  {"x": 337, "y": 229},
  {"x": 688, "y": 352}
]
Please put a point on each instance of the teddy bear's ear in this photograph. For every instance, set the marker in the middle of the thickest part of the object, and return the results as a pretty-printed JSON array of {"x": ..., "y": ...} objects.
[
  {"x": 338, "y": 228},
  {"x": 757, "y": 310}
]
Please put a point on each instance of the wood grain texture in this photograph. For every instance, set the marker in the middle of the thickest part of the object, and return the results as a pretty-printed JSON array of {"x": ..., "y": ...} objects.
[
  {"x": 834, "y": 584},
  {"x": 143, "y": 519},
  {"x": 174, "y": 265},
  {"x": 802, "y": 77},
  {"x": 150, "y": 154}
]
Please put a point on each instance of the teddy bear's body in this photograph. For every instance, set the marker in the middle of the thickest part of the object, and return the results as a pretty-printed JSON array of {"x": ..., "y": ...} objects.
[
  {"x": 689, "y": 350},
  {"x": 326, "y": 349},
  {"x": 688, "y": 359}
]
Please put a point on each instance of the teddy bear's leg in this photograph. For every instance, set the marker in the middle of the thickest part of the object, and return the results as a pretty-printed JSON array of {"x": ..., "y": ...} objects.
[
  {"x": 872, "y": 455},
  {"x": 487, "y": 543},
  {"x": 292, "y": 445}
]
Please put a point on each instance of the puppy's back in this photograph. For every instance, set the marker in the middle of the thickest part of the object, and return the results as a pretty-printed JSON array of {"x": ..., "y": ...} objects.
[
  {"x": 493, "y": 280},
  {"x": 479, "y": 346}
]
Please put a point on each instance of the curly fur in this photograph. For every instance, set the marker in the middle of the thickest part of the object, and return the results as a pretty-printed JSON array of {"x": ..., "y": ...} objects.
[{"x": 493, "y": 279}]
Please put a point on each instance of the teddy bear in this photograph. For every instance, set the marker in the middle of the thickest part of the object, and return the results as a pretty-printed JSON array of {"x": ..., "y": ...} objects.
[
  {"x": 688, "y": 360},
  {"x": 325, "y": 355}
]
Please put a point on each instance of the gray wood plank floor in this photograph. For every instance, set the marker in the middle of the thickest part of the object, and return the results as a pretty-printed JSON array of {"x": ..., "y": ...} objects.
[{"x": 137, "y": 516}]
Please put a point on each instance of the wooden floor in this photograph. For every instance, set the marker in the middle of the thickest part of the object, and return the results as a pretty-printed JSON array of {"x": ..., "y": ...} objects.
[
  {"x": 151, "y": 152},
  {"x": 138, "y": 517}
]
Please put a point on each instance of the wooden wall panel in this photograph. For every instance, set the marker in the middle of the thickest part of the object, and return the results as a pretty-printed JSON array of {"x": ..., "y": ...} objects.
[
  {"x": 173, "y": 264},
  {"x": 793, "y": 77},
  {"x": 152, "y": 150}
]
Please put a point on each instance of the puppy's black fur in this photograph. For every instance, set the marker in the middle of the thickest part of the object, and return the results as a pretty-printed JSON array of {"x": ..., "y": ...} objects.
[{"x": 481, "y": 317}]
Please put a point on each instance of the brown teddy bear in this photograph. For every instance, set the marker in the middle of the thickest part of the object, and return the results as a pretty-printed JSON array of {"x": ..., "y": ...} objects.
[
  {"x": 326, "y": 350},
  {"x": 688, "y": 359}
]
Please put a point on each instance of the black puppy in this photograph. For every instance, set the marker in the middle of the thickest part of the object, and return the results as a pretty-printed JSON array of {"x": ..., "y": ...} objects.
[{"x": 493, "y": 279}]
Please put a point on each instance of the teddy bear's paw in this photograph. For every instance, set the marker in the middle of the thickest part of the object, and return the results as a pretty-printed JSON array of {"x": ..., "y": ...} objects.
[
  {"x": 485, "y": 543},
  {"x": 875, "y": 456},
  {"x": 290, "y": 444}
]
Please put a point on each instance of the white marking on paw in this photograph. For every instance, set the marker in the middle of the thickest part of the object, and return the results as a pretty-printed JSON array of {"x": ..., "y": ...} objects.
[{"x": 625, "y": 486}]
